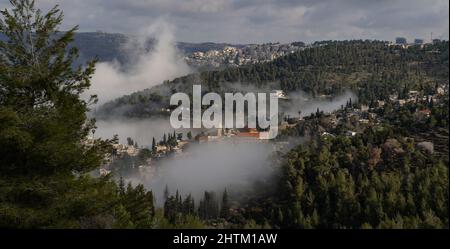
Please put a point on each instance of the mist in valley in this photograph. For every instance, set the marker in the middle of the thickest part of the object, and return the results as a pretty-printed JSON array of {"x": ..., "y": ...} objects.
[
  {"x": 140, "y": 130},
  {"x": 301, "y": 101},
  {"x": 233, "y": 165},
  {"x": 213, "y": 166}
]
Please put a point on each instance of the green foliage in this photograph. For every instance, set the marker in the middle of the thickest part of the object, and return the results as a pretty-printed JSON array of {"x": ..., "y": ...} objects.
[
  {"x": 330, "y": 185},
  {"x": 46, "y": 152},
  {"x": 139, "y": 204},
  {"x": 39, "y": 97},
  {"x": 56, "y": 202},
  {"x": 179, "y": 213},
  {"x": 225, "y": 205},
  {"x": 208, "y": 206}
]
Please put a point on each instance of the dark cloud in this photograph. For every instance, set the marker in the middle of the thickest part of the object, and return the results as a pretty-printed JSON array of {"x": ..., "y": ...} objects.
[{"x": 246, "y": 21}]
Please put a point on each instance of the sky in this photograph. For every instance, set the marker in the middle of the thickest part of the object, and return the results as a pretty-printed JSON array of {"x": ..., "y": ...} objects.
[{"x": 260, "y": 21}]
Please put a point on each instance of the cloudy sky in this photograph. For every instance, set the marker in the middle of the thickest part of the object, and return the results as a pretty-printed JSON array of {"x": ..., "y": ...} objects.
[{"x": 248, "y": 21}]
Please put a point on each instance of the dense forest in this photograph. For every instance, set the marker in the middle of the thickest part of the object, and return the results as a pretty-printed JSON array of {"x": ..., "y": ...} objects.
[
  {"x": 382, "y": 177},
  {"x": 377, "y": 179}
]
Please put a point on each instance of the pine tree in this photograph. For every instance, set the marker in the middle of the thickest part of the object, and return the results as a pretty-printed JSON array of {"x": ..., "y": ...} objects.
[
  {"x": 121, "y": 186},
  {"x": 166, "y": 192},
  {"x": 130, "y": 141},
  {"x": 225, "y": 206},
  {"x": 44, "y": 127},
  {"x": 208, "y": 207},
  {"x": 139, "y": 204},
  {"x": 154, "y": 149},
  {"x": 188, "y": 206}
]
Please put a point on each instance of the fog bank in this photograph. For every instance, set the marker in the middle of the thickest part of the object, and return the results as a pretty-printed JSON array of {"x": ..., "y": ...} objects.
[
  {"x": 147, "y": 68},
  {"x": 300, "y": 101},
  {"x": 212, "y": 167}
]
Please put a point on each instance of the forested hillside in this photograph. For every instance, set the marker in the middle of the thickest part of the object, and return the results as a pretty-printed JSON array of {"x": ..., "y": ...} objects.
[
  {"x": 373, "y": 69},
  {"x": 380, "y": 178}
]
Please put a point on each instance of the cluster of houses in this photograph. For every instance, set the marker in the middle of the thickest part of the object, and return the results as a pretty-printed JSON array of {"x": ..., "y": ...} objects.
[
  {"x": 242, "y": 55},
  {"x": 247, "y": 134},
  {"x": 163, "y": 150},
  {"x": 415, "y": 96},
  {"x": 120, "y": 150},
  {"x": 363, "y": 115}
]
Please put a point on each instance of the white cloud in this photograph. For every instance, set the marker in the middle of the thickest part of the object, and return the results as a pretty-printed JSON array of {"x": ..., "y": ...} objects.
[{"x": 147, "y": 69}]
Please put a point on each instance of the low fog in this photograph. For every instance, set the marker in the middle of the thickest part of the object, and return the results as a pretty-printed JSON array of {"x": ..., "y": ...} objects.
[
  {"x": 234, "y": 164},
  {"x": 140, "y": 130},
  {"x": 300, "y": 101},
  {"x": 146, "y": 68},
  {"x": 143, "y": 130},
  {"x": 212, "y": 167}
]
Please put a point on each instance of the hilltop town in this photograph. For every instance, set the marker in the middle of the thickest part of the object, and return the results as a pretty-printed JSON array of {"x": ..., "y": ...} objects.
[{"x": 234, "y": 56}]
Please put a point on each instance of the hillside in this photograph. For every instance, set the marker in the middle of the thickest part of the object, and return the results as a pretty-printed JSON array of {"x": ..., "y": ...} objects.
[
  {"x": 109, "y": 46},
  {"x": 373, "y": 69},
  {"x": 200, "y": 56}
]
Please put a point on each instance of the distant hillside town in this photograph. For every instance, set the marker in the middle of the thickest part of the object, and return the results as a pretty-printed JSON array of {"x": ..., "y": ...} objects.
[{"x": 231, "y": 56}]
